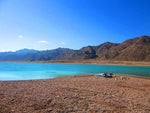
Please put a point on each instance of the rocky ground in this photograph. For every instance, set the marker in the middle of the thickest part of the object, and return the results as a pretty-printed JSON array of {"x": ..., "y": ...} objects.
[{"x": 78, "y": 94}]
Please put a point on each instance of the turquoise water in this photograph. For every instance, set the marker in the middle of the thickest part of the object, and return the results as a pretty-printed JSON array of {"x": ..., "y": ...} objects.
[{"x": 28, "y": 71}]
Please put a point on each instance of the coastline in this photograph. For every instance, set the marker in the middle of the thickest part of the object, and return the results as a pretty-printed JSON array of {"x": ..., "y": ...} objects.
[
  {"x": 89, "y": 62},
  {"x": 76, "y": 94}
]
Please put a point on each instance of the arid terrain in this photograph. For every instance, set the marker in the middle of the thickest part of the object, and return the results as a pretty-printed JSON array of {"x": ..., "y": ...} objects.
[
  {"x": 97, "y": 62},
  {"x": 78, "y": 94},
  {"x": 92, "y": 62}
]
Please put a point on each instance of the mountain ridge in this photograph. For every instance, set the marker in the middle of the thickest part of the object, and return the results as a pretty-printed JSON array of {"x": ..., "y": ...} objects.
[{"x": 136, "y": 49}]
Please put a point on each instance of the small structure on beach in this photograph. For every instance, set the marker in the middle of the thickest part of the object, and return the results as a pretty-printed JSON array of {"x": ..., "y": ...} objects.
[{"x": 108, "y": 75}]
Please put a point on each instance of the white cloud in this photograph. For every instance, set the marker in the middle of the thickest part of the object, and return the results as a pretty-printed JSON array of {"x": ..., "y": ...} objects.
[
  {"x": 43, "y": 41},
  {"x": 20, "y": 36},
  {"x": 62, "y": 43}
]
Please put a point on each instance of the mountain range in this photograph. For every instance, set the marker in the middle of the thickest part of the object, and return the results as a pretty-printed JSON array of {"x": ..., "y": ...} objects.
[{"x": 137, "y": 49}]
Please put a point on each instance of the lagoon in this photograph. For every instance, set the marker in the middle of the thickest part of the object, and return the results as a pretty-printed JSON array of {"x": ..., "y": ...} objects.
[{"x": 30, "y": 71}]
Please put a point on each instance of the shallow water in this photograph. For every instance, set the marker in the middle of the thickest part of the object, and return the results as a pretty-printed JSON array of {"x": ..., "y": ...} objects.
[{"x": 28, "y": 71}]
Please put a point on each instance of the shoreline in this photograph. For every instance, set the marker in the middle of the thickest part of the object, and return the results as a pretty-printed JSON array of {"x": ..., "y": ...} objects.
[
  {"x": 116, "y": 75},
  {"x": 80, "y": 94},
  {"x": 88, "y": 62}
]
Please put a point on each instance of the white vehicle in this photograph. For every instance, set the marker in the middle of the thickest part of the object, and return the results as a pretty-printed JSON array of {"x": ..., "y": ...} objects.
[
  {"x": 109, "y": 75},
  {"x": 101, "y": 74}
]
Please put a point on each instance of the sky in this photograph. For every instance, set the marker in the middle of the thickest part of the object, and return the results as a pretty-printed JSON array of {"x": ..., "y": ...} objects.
[{"x": 49, "y": 24}]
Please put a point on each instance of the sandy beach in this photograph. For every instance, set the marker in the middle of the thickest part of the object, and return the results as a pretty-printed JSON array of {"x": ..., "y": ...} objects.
[{"x": 77, "y": 94}]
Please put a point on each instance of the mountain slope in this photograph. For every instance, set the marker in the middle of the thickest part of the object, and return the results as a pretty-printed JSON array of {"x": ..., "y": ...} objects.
[{"x": 137, "y": 49}]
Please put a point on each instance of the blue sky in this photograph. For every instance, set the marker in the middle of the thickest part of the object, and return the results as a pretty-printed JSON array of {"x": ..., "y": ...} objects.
[{"x": 49, "y": 24}]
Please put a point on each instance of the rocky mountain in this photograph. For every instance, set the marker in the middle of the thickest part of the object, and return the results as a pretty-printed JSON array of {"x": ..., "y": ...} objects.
[
  {"x": 32, "y": 55},
  {"x": 137, "y": 49}
]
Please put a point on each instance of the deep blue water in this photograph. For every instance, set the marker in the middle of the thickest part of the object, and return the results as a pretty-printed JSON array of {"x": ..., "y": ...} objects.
[{"x": 27, "y": 71}]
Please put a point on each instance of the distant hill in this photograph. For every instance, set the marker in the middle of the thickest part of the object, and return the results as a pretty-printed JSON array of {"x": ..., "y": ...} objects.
[
  {"x": 26, "y": 51},
  {"x": 137, "y": 49},
  {"x": 31, "y": 55}
]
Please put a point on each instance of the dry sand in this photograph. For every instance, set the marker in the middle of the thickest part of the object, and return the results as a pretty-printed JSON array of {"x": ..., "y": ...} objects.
[{"x": 78, "y": 94}]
